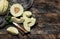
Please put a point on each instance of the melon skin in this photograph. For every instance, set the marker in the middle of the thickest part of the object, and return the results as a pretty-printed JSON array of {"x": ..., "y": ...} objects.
[{"x": 3, "y": 6}]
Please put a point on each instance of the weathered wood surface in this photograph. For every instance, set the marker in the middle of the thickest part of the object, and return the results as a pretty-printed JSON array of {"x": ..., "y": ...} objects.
[{"x": 47, "y": 13}]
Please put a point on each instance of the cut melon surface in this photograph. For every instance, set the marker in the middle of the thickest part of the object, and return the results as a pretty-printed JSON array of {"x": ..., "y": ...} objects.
[{"x": 16, "y": 10}]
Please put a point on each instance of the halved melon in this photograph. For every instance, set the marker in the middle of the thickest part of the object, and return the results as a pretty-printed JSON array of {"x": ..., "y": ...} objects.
[{"x": 16, "y": 10}]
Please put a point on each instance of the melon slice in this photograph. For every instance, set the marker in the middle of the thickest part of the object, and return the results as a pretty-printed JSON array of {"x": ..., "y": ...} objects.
[
  {"x": 12, "y": 30},
  {"x": 16, "y": 10}
]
